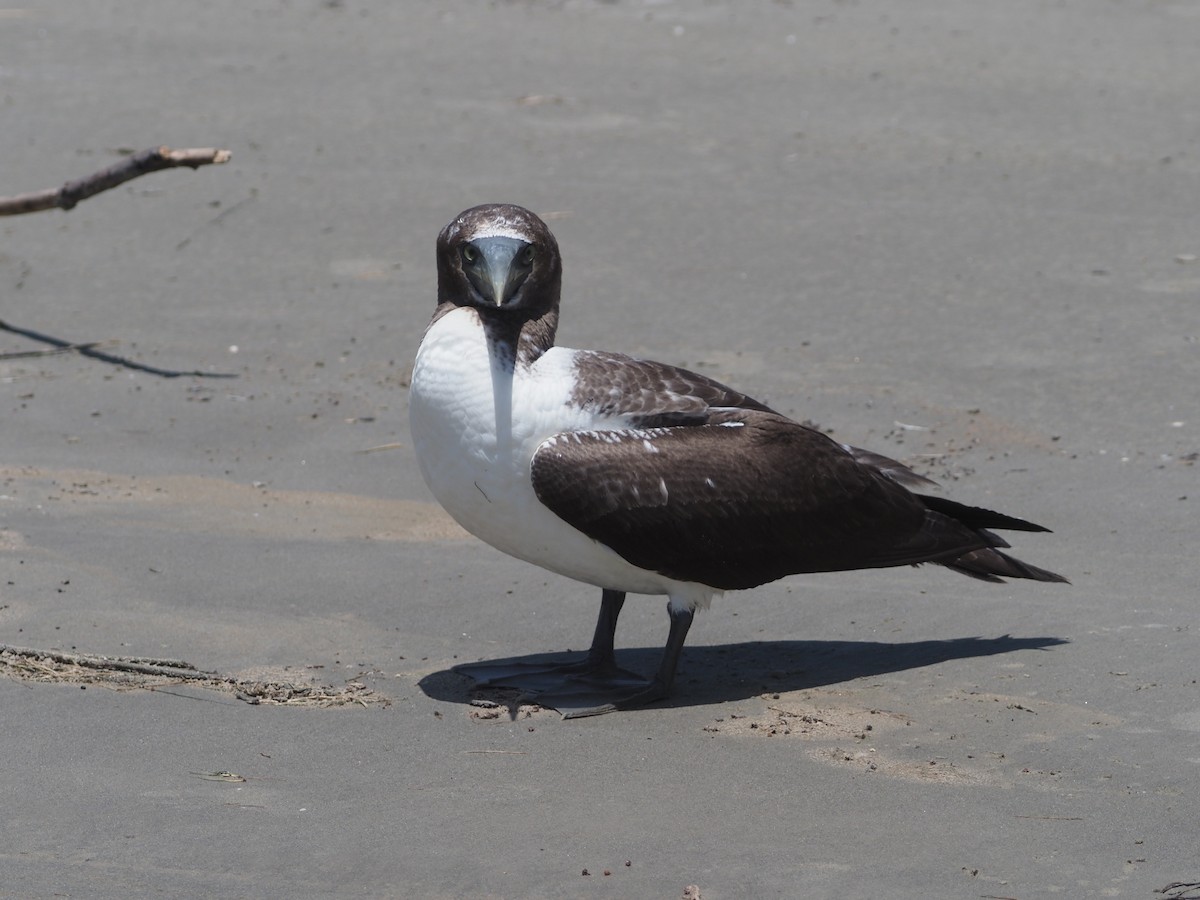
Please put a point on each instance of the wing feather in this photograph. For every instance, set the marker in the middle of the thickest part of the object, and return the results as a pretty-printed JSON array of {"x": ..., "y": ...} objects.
[
  {"x": 649, "y": 394},
  {"x": 744, "y": 499}
]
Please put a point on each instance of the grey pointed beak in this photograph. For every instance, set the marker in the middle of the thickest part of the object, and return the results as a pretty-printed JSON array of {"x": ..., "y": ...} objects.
[{"x": 495, "y": 271}]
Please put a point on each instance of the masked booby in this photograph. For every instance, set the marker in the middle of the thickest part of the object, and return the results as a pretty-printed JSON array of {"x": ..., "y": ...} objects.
[{"x": 639, "y": 477}]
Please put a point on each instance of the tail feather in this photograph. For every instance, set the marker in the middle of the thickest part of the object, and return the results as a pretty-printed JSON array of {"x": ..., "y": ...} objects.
[
  {"x": 988, "y": 563},
  {"x": 976, "y": 517}
]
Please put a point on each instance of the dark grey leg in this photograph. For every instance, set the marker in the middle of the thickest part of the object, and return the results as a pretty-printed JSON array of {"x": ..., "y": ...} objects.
[
  {"x": 602, "y": 653},
  {"x": 660, "y": 687},
  {"x": 594, "y": 684},
  {"x": 681, "y": 621}
]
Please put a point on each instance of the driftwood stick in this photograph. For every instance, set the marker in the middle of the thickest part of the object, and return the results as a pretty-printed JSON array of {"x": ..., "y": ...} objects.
[
  {"x": 134, "y": 166},
  {"x": 71, "y": 193}
]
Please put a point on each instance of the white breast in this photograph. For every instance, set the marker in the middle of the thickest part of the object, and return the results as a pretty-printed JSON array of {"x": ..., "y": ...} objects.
[{"x": 475, "y": 428}]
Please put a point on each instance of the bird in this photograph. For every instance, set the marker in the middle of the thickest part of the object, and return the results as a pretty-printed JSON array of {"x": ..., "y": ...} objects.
[{"x": 640, "y": 477}]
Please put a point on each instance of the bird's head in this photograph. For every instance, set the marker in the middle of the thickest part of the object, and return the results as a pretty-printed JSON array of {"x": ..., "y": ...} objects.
[{"x": 500, "y": 259}]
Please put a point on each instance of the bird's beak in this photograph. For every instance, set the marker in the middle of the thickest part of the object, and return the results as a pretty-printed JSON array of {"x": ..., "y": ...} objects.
[{"x": 495, "y": 273}]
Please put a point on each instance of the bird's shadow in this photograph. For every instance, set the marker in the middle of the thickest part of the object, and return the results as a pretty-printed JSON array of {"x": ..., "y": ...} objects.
[{"x": 725, "y": 672}]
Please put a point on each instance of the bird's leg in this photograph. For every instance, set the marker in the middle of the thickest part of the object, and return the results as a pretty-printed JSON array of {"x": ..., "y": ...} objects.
[
  {"x": 602, "y": 653},
  {"x": 613, "y": 688},
  {"x": 594, "y": 684},
  {"x": 601, "y": 659},
  {"x": 681, "y": 621},
  {"x": 660, "y": 686}
]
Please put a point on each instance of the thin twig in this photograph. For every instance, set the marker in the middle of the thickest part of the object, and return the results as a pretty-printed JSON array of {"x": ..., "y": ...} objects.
[
  {"x": 70, "y": 194},
  {"x": 133, "y": 166},
  {"x": 504, "y": 752},
  {"x": 393, "y": 446},
  {"x": 88, "y": 349},
  {"x": 217, "y": 219}
]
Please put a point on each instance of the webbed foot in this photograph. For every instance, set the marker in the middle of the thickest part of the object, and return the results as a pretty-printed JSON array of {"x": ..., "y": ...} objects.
[{"x": 578, "y": 687}]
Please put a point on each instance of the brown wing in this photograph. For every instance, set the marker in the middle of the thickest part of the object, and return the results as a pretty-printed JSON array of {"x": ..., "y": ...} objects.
[
  {"x": 650, "y": 394},
  {"x": 743, "y": 500}
]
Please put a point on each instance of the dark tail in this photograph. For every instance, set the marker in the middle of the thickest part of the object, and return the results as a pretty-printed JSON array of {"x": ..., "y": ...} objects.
[{"x": 989, "y": 564}]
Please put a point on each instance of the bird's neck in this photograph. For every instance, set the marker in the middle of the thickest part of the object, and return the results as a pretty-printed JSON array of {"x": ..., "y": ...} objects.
[
  {"x": 513, "y": 344},
  {"x": 518, "y": 342},
  {"x": 512, "y": 340}
]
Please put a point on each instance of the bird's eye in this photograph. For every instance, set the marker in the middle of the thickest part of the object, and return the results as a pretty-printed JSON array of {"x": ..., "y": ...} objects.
[
  {"x": 525, "y": 257},
  {"x": 469, "y": 254}
]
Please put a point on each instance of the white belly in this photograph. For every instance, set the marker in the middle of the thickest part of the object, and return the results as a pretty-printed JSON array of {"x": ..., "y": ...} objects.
[{"x": 475, "y": 428}]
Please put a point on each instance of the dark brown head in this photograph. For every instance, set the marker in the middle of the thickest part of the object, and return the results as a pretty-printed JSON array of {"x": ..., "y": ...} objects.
[{"x": 500, "y": 259}]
